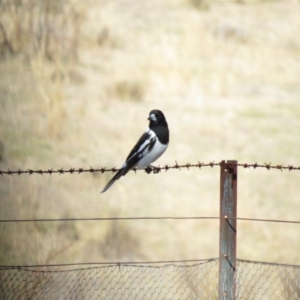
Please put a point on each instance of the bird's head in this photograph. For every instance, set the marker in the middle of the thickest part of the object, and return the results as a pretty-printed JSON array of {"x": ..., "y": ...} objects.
[{"x": 156, "y": 117}]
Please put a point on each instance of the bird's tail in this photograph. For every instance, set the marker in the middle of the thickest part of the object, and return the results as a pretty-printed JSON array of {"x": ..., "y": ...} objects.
[{"x": 120, "y": 173}]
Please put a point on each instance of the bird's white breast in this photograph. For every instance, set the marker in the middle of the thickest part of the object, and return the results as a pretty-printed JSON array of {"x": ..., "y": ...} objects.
[{"x": 151, "y": 156}]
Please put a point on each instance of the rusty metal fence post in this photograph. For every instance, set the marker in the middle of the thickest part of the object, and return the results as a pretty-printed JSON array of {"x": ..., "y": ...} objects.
[{"x": 228, "y": 230}]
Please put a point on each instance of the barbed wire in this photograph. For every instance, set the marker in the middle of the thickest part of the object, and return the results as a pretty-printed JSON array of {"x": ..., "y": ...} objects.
[{"x": 148, "y": 170}]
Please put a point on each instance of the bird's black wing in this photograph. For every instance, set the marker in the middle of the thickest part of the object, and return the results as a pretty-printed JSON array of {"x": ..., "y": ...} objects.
[{"x": 142, "y": 147}]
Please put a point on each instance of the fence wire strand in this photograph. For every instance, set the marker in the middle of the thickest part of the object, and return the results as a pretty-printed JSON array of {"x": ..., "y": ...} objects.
[
  {"x": 266, "y": 220},
  {"x": 111, "y": 263},
  {"x": 175, "y": 282},
  {"x": 148, "y": 170},
  {"x": 107, "y": 219},
  {"x": 257, "y": 280},
  {"x": 181, "y": 279},
  {"x": 143, "y": 218},
  {"x": 254, "y": 280}
]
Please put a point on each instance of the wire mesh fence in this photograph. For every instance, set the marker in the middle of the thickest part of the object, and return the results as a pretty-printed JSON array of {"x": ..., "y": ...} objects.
[
  {"x": 259, "y": 280},
  {"x": 254, "y": 280},
  {"x": 224, "y": 278},
  {"x": 198, "y": 281}
]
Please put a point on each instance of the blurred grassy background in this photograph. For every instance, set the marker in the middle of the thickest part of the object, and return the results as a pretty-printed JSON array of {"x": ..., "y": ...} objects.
[{"x": 78, "y": 80}]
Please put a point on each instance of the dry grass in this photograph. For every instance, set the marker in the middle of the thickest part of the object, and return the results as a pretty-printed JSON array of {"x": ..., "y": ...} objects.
[{"x": 226, "y": 78}]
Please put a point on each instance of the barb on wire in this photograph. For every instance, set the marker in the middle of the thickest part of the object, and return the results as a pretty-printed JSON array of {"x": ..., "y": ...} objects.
[
  {"x": 104, "y": 169},
  {"x": 148, "y": 170}
]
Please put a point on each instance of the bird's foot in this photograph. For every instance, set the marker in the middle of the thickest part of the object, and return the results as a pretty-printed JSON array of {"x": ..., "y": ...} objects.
[{"x": 153, "y": 169}]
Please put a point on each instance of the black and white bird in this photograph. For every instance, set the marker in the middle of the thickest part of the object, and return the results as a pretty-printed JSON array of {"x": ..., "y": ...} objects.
[{"x": 151, "y": 145}]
